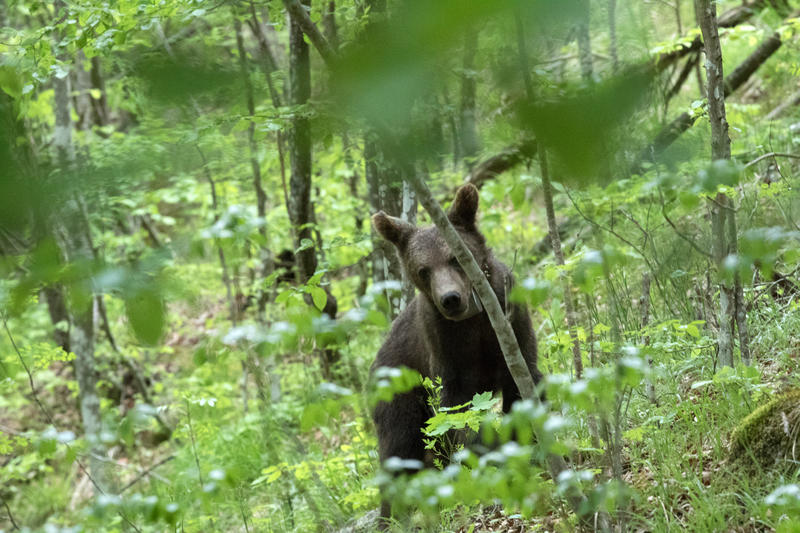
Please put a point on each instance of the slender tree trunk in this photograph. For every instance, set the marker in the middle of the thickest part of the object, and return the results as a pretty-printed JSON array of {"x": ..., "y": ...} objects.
[
  {"x": 555, "y": 239},
  {"x": 409, "y": 215},
  {"x": 644, "y": 304},
  {"x": 720, "y": 150},
  {"x": 300, "y": 150},
  {"x": 100, "y": 112},
  {"x": 740, "y": 310},
  {"x": 384, "y": 191},
  {"x": 82, "y": 86},
  {"x": 470, "y": 142},
  {"x": 59, "y": 316},
  {"x": 75, "y": 248},
  {"x": 612, "y": 35},
  {"x": 261, "y": 196},
  {"x": 300, "y": 207},
  {"x": 585, "y": 43},
  {"x": 385, "y": 195},
  {"x": 329, "y": 28}
]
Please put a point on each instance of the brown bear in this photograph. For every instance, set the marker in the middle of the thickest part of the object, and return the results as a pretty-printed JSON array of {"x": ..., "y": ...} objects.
[{"x": 443, "y": 331}]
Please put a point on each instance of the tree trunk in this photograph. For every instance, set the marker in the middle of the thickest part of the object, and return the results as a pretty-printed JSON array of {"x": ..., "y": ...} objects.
[
  {"x": 384, "y": 194},
  {"x": 470, "y": 142},
  {"x": 75, "y": 247},
  {"x": 255, "y": 166},
  {"x": 59, "y": 316},
  {"x": 720, "y": 150},
  {"x": 100, "y": 113},
  {"x": 409, "y": 215},
  {"x": 612, "y": 35},
  {"x": 299, "y": 206},
  {"x": 384, "y": 191},
  {"x": 300, "y": 150},
  {"x": 83, "y": 98},
  {"x": 555, "y": 239},
  {"x": 585, "y": 43},
  {"x": 329, "y": 28}
]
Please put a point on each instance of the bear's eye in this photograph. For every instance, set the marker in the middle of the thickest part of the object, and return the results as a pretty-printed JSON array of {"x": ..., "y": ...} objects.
[
  {"x": 454, "y": 263},
  {"x": 423, "y": 273}
]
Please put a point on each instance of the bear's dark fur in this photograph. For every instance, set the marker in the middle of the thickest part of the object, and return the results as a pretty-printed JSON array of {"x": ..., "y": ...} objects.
[{"x": 439, "y": 334}]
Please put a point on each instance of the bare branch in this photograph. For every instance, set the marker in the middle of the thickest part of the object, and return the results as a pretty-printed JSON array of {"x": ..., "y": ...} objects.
[{"x": 771, "y": 154}]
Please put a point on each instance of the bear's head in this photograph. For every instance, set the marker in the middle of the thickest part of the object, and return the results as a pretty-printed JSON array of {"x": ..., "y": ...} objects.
[{"x": 428, "y": 261}]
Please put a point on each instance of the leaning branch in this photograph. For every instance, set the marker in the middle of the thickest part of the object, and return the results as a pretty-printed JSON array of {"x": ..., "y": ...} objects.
[
  {"x": 300, "y": 16},
  {"x": 729, "y": 19},
  {"x": 790, "y": 102},
  {"x": 501, "y": 162}
]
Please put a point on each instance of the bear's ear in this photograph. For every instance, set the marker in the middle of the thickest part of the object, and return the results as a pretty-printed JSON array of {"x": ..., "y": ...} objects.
[
  {"x": 465, "y": 206},
  {"x": 393, "y": 229}
]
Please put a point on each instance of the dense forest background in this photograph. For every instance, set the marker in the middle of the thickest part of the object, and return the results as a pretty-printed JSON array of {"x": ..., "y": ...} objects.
[{"x": 192, "y": 294}]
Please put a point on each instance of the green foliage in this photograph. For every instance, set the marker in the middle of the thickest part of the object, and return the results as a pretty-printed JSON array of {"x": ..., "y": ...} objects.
[{"x": 215, "y": 408}]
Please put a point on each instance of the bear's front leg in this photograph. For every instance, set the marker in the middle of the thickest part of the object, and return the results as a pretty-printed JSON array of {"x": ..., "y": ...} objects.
[{"x": 399, "y": 425}]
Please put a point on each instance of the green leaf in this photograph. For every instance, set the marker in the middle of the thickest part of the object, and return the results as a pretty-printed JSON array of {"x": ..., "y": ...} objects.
[
  {"x": 10, "y": 81},
  {"x": 319, "y": 296},
  {"x": 146, "y": 315},
  {"x": 483, "y": 402}
]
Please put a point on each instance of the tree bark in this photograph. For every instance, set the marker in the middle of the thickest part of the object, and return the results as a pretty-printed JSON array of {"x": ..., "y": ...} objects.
[
  {"x": 264, "y": 258},
  {"x": 300, "y": 207},
  {"x": 300, "y": 19},
  {"x": 409, "y": 214},
  {"x": 612, "y": 35},
  {"x": 82, "y": 98},
  {"x": 720, "y": 150},
  {"x": 75, "y": 247},
  {"x": 555, "y": 239},
  {"x": 384, "y": 191},
  {"x": 100, "y": 112},
  {"x": 300, "y": 148},
  {"x": 329, "y": 28},
  {"x": 585, "y": 43},
  {"x": 470, "y": 143}
]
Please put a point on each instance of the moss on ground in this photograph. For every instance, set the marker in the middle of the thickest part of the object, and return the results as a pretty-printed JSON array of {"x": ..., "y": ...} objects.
[{"x": 768, "y": 436}]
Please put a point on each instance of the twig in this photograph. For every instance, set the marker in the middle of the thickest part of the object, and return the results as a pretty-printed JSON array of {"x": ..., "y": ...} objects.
[
  {"x": 626, "y": 241},
  {"x": 35, "y": 394},
  {"x": 679, "y": 234},
  {"x": 194, "y": 444},
  {"x": 10, "y": 516},
  {"x": 771, "y": 154},
  {"x": 146, "y": 472},
  {"x": 50, "y": 421}
]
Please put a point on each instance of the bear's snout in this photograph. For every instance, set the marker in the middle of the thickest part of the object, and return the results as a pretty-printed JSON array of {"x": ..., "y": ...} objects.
[{"x": 451, "y": 302}]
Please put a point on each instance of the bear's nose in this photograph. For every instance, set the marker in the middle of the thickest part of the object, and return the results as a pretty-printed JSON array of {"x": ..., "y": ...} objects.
[{"x": 451, "y": 301}]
